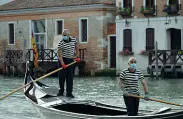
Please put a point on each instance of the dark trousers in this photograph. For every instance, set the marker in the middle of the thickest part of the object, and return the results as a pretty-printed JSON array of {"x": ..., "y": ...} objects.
[
  {"x": 66, "y": 75},
  {"x": 132, "y": 105}
]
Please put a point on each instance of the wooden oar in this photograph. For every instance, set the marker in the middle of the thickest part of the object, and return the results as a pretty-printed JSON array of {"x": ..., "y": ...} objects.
[
  {"x": 161, "y": 101},
  {"x": 36, "y": 80}
]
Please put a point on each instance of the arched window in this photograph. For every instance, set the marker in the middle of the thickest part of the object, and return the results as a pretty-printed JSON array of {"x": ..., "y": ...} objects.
[
  {"x": 127, "y": 39},
  {"x": 149, "y": 39}
]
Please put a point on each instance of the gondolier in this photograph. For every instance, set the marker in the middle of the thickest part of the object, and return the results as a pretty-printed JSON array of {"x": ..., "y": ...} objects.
[
  {"x": 129, "y": 79},
  {"x": 66, "y": 50}
]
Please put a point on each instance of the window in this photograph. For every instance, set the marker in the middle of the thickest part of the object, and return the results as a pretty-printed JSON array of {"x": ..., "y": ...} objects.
[
  {"x": 173, "y": 2},
  {"x": 172, "y": 7},
  {"x": 59, "y": 27},
  {"x": 127, "y": 39},
  {"x": 149, "y": 3},
  {"x": 149, "y": 39},
  {"x": 11, "y": 33},
  {"x": 83, "y": 30},
  {"x": 39, "y": 33},
  {"x": 127, "y": 3}
]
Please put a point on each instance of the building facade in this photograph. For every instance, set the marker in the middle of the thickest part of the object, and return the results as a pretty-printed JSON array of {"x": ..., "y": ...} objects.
[
  {"x": 140, "y": 23},
  {"x": 91, "y": 22}
]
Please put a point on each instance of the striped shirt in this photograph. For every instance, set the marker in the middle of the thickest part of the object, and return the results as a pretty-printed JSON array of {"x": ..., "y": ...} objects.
[
  {"x": 130, "y": 80},
  {"x": 67, "y": 48}
]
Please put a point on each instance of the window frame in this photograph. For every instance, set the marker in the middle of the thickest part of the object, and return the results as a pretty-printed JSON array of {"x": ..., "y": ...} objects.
[
  {"x": 169, "y": 0},
  {"x": 9, "y": 32},
  {"x": 56, "y": 26},
  {"x": 144, "y": 3},
  {"x": 130, "y": 44},
  {"x": 43, "y": 33},
  {"x": 122, "y": 4},
  {"x": 146, "y": 46},
  {"x": 80, "y": 30}
]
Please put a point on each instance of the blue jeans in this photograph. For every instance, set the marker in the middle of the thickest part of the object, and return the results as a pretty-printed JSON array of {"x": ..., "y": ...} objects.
[{"x": 66, "y": 75}]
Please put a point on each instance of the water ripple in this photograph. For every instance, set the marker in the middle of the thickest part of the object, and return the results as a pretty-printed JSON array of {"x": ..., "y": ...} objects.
[{"x": 101, "y": 89}]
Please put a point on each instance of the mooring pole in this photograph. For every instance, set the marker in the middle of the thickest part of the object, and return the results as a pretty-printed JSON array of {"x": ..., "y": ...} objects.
[
  {"x": 4, "y": 58},
  {"x": 156, "y": 56},
  {"x": 24, "y": 50}
]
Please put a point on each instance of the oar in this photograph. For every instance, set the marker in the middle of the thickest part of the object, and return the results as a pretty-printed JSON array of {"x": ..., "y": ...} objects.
[
  {"x": 36, "y": 80},
  {"x": 161, "y": 101}
]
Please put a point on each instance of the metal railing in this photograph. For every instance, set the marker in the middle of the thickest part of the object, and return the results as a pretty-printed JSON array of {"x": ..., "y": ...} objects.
[
  {"x": 172, "y": 8},
  {"x": 148, "y": 10}
]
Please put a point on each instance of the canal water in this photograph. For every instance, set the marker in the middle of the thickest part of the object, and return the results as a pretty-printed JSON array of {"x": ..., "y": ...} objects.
[{"x": 101, "y": 89}]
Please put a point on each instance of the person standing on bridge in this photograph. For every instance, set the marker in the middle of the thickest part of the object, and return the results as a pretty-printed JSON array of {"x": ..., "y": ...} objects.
[
  {"x": 128, "y": 82},
  {"x": 66, "y": 49}
]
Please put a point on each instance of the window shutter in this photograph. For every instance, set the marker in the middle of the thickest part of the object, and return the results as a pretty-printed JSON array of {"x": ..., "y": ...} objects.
[
  {"x": 149, "y": 39},
  {"x": 127, "y": 39}
]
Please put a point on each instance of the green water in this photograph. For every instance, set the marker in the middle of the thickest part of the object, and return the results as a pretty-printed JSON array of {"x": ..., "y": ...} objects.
[{"x": 102, "y": 89}]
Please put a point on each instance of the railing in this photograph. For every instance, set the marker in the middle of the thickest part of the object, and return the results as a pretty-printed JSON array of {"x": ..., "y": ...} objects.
[
  {"x": 43, "y": 54},
  {"x": 166, "y": 57},
  {"x": 50, "y": 54},
  {"x": 14, "y": 56},
  {"x": 125, "y": 11},
  {"x": 17, "y": 56},
  {"x": 172, "y": 9},
  {"x": 1, "y": 57},
  {"x": 149, "y": 10}
]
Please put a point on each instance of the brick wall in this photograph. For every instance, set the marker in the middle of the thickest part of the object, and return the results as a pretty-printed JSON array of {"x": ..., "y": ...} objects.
[
  {"x": 160, "y": 5},
  {"x": 139, "y": 3},
  {"x": 1, "y": 48},
  {"x": 94, "y": 53},
  {"x": 137, "y": 8},
  {"x": 111, "y": 28}
]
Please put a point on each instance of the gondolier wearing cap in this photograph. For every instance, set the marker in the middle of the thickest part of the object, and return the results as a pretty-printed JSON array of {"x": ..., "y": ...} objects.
[
  {"x": 66, "y": 50},
  {"x": 128, "y": 81}
]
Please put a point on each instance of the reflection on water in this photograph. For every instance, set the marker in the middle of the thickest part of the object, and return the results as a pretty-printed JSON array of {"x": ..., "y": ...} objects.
[{"x": 102, "y": 89}]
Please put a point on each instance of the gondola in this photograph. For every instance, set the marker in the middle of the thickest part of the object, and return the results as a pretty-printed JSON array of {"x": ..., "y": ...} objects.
[{"x": 50, "y": 106}]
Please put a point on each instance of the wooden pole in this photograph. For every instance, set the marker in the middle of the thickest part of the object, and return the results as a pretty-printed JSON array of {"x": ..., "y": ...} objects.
[
  {"x": 156, "y": 55},
  {"x": 24, "y": 50},
  {"x": 4, "y": 58},
  {"x": 24, "y": 54},
  {"x": 161, "y": 101},
  {"x": 40, "y": 78}
]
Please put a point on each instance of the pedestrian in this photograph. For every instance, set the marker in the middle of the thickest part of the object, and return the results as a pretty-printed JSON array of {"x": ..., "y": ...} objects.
[
  {"x": 66, "y": 50},
  {"x": 128, "y": 81}
]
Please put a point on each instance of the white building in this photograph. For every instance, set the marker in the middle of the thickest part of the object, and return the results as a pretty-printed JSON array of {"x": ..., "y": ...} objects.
[{"x": 139, "y": 34}]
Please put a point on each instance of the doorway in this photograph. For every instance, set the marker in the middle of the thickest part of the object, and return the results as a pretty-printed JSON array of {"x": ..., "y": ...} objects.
[
  {"x": 175, "y": 36},
  {"x": 175, "y": 42},
  {"x": 112, "y": 51}
]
